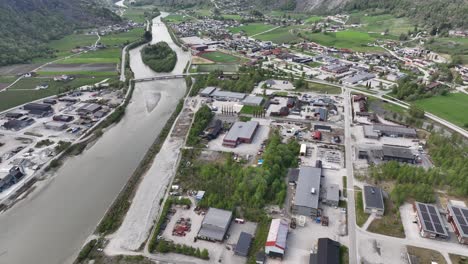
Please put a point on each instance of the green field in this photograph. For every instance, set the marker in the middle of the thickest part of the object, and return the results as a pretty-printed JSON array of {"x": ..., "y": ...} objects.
[
  {"x": 122, "y": 38},
  {"x": 323, "y": 88},
  {"x": 451, "y": 107},
  {"x": 214, "y": 67},
  {"x": 313, "y": 19},
  {"x": 380, "y": 23},
  {"x": 220, "y": 57},
  {"x": 354, "y": 40},
  {"x": 19, "y": 95},
  {"x": 78, "y": 73},
  {"x": 280, "y": 35},
  {"x": 177, "y": 18},
  {"x": 101, "y": 56},
  {"x": 252, "y": 29},
  {"x": 233, "y": 17},
  {"x": 64, "y": 45},
  {"x": 135, "y": 14},
  {"x": 294, "y": 15},
  {"x": 451, "y": 46}
]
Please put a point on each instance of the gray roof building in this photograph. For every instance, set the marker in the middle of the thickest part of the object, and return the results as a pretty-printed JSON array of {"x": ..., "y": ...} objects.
[
  {"x": 332, "y": 196},
  {"x": 389, "y": 130},
  {"x": 207, "y": 91},
  {"x": 328, "y": 252},
  {"x": 215, "y": 224},
  {"x": 398, "y": 153},
  {"x": 240, "y": 132},
  {"x": 429, "y": 221},
  {"x": 253, "y": 100},
  {"x": 373, "y": 200},
  {"x": 293, "y": 175},
  {"x": 306, "y": 199},
  {"x": 370, "y": 133},
  {"x": 243, "y": 244},
  {"x": 219, "y": 94},
  {"x": 458, "y": 217},
  {"x": 360, "y": 77}
]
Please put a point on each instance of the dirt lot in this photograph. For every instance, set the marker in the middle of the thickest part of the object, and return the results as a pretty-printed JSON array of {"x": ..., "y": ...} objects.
[{"x": 217, "y": 251}]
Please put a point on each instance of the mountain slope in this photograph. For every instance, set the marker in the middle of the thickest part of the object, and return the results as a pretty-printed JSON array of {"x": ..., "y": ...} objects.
[{"x": 26, "y": 25}]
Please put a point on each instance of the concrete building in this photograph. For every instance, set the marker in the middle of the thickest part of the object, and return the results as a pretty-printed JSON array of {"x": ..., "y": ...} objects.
[
  {"x": 369, "y": 132},
  {"x": 215, "y": 225},
  {"x": 323, "y": 128},
  {"x": 220, "y": 95},
  {"x": 430, "y": 222},
  {"x": 253, "y": 100},
  {"x": 38, "y": 110},
  {"x": 18, "y": 124},
  {"x": 332, "y": 195},
  {"x": 328, "y": 252},
  {"x": 358, "y": 78},
  {"x": 240, "y": 132},
  {"x": 57, "y": 126},
  {"x": 275, "y": 245},
  {"x": 243, "y": 244},
  {"x": 88, "y": 109},
  {"x": 207, "y": 91},
  {"x": 373, "y": 200},
  {"x": 394, "y": 131},
  {"x": 400, "y": 154},
  {"x": 457, "y": 216},
  {"x": 307, "y": 196},
  {"x": 14, "y": 175}
]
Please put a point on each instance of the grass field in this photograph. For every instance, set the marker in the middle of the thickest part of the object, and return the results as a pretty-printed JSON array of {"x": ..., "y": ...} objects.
[
  {"x": 233, "y": 17},
  {"x": 457, "y": 259},
  {"x": 354, "y": 40},
  {"x": 78, "y": 73},
  {"x": 135, "y": 14},
  {"x": 451, "y": 107},
  {"x": 425, "y": 255},
  {"x": 122, "y": 38},
  {"x": 18, "y": 96},
  {"x": 280, "y": 35},
  {"x": 451, "y": 46},
  {"x": 361, "y": 216},
  {"x": 111, "y": 55},
  {"x": 214, "y": 67},
  {"x": 220, "y": 57},
  {"x": 380, "y": 23},
  {"x": 250, "y": 110},
  {"x": 313, "y": 19},
  {"x": 323, "y": 88},
  {"x": 177, "y": 18},
  {"x": 252, "y": 29}
]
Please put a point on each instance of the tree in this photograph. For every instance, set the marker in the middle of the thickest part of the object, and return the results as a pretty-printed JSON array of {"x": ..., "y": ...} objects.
[
  {"x": 204, "y": 254},
  {"x": 416, "y": 112}
]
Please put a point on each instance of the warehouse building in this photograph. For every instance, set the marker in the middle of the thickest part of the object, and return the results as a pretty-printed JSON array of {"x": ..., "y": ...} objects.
[
  {"x": 38, "y": 110},
  {"x": 373, "y": 200},
  {"x": 207, "y": 91},
  {"x": 332, "y": 195},
  {"x": 275, "y": 245},
  {"x": 220, "y": 95},
  {"x": 457, "y": 216},
  {"x": 323, "y": 128},
  {"x": 394, "y": 131},
  {"x": 306, "y": 198},
  {"x": 86, "y": 109},
  {"x": 18, "y": 124},
  {"x": 215, "y": 225},
  {"x": 396, "y": 153},
  {"x": 240, "y": 132},
  {"x": 14, "y": 175},
  {"x": 57, "y": 126},
  {"x": 243, "y": 244},
  {"x": 430, "y": 222},
  {"x": 253, "y": 100},
  {"x": 370, "y": 133},
  {"x": 63, "y": 118},
  {"x": 358, "y": 78},
  {"x": 328, "y": 252}
]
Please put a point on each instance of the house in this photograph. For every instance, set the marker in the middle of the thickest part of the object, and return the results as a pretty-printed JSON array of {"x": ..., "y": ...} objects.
[
  {"x": 15, "y": 174},
  {"x": 373, "y": 200},
  {"x": 430, "y": 222},
  {"x": 307, "y": 196},
  {"x": 240, "y": 132},
  {"x": 215, "y": 225},
  {"x": 395, "y": 77},
  {"x": 328, "y": 252},
  {"x": 457, "y": 216},
  {"x": 275, "y": 245},
  {"x": 243, "y": 244},
  {"x": 397, "y": 153},
  {"x": 332, "y": 195}
]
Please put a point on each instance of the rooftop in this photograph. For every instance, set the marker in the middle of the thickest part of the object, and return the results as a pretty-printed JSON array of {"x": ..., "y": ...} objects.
[
  {"x": 394, "y": 129},
  {"x": 460, "y": 217},
  {"x": 399, "y": 152},
  {"x": 241, "y": 130},
  {"x": 430, "y": 219},
  {"x": 328, "y": 252},
  {"x": 333, "y": 192},
  {"x": 308, "y": 187},
  {"x": 227, "y": 94},
  {"x": 215, "y": 223},
  {"x": 373, "y": 197},
  {"x": 253, "y": 100},
  {"x": 243, "y": 244}
]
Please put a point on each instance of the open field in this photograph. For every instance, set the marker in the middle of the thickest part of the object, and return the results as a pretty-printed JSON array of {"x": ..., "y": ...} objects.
[
  {"x": 354, "y": 40},
  {"x": 177, "y": 18},
  {"x": 280, "y": 35},
  {"x": 380, "y": 23},
  {"x": 220, "y": 57},
  {"x": 135, "y": 14},
  {"x": 323, "y": 88},
  {"x": 20, "y": 94},
  {"x": 122, "y": 38},
  {"x": 452, "y": 46},
  {"x": 451, "y": 107},
  {"x": 295, "y": 15},
  {"x": 425, "y": 255},
  {"x": 213, "y": 67},
  {"x": 390, "y": 224},
  {"x": 101, "y": 56},
  {"x": 361, "y": 216},
  {"x": 252, "y": 29},
  {"x": 313, "y": 19},
  {"x": 457, "y": 259},
  {"x": 64, "y": 45},
  {"x": 233, "y": 17},
  {"x": 79, "y": 73}
]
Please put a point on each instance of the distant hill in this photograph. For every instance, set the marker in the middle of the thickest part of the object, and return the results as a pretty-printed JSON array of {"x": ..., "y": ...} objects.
[{"x": 26, "y": 25}]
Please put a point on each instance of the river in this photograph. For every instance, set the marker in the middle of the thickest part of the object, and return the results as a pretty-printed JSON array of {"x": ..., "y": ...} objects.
[{"x": 52, "y": 223}]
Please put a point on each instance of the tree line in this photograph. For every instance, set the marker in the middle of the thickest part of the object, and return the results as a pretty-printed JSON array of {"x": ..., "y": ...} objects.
[{"x": 159, "y": 57}]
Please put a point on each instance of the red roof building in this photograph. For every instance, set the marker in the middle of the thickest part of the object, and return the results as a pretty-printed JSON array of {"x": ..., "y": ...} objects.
[{"x": 276, "y": 242}]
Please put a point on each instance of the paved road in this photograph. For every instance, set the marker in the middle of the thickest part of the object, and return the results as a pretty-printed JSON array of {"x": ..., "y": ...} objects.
[{"x": 353, "y": 253}]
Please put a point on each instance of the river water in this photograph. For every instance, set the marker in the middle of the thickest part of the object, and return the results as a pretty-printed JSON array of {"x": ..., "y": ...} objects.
[{"x": 52, "y": 223}]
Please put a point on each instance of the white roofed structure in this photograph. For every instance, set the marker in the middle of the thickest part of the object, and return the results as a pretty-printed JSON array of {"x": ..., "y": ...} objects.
[{"x": 277, "y": 236}]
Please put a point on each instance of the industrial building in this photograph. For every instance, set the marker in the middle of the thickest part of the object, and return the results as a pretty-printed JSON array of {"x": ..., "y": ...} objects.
[
  {"x": 457, "y": 216},
  {"x": 207, "y": 91},
  {"x": 293, "y": 176},
  {"x": 430, "y": 222},
  {"x": 328, "y": 252},
  {"x": 220, "y": 95},
  {"x": 306, "y": 198},
  {"x": 57, "y": 126},
  {"x": 275, "y": 245},
  {"x": 243, "y": 244},
  {"x": 86, "y": 109},
  {"x": 332, "y": 195},
  {"x": 213, "y": 129},
  {"x": 373, "y": 200},
  {"x": 240, "y": 132},
  {"x": 369, "y": 132},
  {"x": 63, "y": 118},
  {"x": 323, "y": 128},
  {"x": 18, "y": 124},
  {"x": 253, "y": 100},
  {"x": 396, "y": 153},
  {"x": 358, "y": 78},
  {"x": 215, "y": 225},
  {"x": 38, "y": 110},
  {"x": 14, "y": 175},
  {"x": 394, "y": 131},
  {"x": 322, "y": 113}
]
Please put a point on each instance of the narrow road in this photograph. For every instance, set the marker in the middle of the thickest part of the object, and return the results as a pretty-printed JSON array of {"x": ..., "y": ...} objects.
[{"x": 266, "y": 31}]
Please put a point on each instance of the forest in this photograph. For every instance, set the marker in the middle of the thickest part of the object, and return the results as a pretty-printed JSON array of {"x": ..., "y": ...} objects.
[
  {"x": 409, "y": 90},
  {"x": 450, "y": 158},
  {"x": 27, "y": 25},
  {"x": 159, "y": 57},
  {"x": 202, "y": 119}
]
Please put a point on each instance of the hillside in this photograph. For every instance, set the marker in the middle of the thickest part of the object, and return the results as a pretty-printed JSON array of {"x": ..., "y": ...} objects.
[{"x": 27, "y": 25}]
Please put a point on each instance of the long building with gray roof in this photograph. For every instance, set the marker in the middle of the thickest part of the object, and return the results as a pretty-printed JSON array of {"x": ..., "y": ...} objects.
[
  {"x": 240, "y": 132},
  {"x": 215, "y": 225},
  {"x": 307, "y": 197}
]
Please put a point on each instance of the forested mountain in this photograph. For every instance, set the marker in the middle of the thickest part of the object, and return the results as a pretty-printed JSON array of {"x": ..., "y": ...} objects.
[{"x": 26, "y": 25}]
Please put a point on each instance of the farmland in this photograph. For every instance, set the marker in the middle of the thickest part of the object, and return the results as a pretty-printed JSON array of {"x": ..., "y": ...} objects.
[
  {"x": 220, "y": 57},
  {"x": 354, "y": 40},
  {"x": 452, "y": 46},
  {"x": 252, "y": 29},
  {"x": 451, "y": 107},
  {"x": 381, "y": 23},
  {"x": 280, "y": 35}
]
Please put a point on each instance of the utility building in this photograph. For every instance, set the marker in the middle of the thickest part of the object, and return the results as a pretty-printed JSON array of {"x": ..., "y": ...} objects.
[
  {"x": 400, "y": 154},
  {"x": 373, "y": 200},
  {"x": 306, "y": 199},
  {"x": 215, "y": 225},
  {"x": 457, "y": 216},
  {"x": 429, "y": 221},
  {"x": 276, "y": 241},
  {"x": 240, "y": 132}
]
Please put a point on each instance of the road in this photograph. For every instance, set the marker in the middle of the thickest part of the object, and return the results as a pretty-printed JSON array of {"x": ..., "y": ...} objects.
[
  {"x": 353, "y": 253},
  {"x": 266, "y": 31}
]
